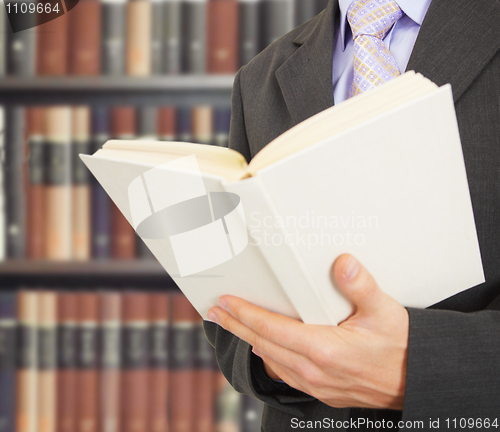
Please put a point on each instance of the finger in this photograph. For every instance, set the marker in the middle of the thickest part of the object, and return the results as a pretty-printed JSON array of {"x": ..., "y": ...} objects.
[
  {"x": 359, "y": 286},
  {"x": 279, "y": 329}
]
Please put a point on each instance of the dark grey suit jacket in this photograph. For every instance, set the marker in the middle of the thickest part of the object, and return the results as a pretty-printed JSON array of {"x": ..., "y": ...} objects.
[{"x": 453, "y": 365}]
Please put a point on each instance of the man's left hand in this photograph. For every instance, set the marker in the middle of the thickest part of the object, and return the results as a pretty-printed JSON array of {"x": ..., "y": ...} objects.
[{"x": 359, "y": 363}]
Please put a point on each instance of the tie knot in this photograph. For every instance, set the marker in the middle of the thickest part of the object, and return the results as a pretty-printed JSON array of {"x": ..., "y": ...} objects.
[{"x": 372, "y": 17}]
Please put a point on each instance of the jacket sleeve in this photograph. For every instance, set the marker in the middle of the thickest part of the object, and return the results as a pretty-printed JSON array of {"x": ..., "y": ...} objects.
[{"x": 453, "y": 366}]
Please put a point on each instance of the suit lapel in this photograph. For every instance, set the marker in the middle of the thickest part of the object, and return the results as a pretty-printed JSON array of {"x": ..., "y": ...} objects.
[
  {"x": 456, "y": 41},
  {"x": 309, "y": 68}
]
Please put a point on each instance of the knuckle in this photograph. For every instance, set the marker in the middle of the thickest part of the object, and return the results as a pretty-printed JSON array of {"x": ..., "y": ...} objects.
[{"x": 323, "y": 356}]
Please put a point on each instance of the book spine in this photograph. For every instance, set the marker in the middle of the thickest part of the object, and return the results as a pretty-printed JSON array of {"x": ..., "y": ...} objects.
[
  {"x": 22, "y": 45},
  {"x": 52, "y": 45},
  {"x": 3, "y": 222},
  {"x": 81, "y": 191},
  {"x": 67, "y": 361},
  {"x": 111, "y": 362},
  {"x": 182, "y": 376},
  {"x": 205, "y": 380},
  {"x": 114, "y": 32},
  {"x": 4, "y": 28},
  {"x": 250, "y": 25},
  {"x": 228, "y": 405},
  {"x": 136, "y": 317},
  {"x": 27, "y": 362},
  {"x": 36, "y": 189},
  {"x": 194, "y": 31},
  {"x": 167, "y": 123},
  {"x": 47, "y": 361},
  {"x": 157, "y": 36},
  {"x": 15, "y": 153},
  {"x": 221, "y": 124},
  {"x": 139, "y": 38},
  {"x": 85, "y": 38},
  {"x": 184, "y": 124},
  {"x": 87, "y": 359},
  {"x": 202, "y": 124},
  {"x": 7, "y": 361},
  {"x": 123, "y": 235},
  {"x": 304, "y": 11},
  {"x": 159, "y": 376},
  {"x": 172, "y": 55},
  {"x": 223, "y": 31},
  {"x": 279, "y": 19},
  {"x": 58, "y": 183},
  {"x": 250, "y": 414},
  {"x": 101, "y": 203}
]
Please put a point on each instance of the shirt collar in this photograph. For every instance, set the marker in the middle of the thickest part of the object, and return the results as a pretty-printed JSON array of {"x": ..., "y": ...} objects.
[{"x": 415, "y": 9}]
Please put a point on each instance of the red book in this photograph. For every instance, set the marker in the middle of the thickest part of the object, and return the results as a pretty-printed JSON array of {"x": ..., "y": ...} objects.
[
  {"x": 35, "y": 193},
  {"x": 85, "y": 38},
  {"x": 123, "y": 237},
  {"x": 182, "y": 371},
  {"x": 223, "y": 36},
  {"x": 136, "y": 391},
  {"x": 167, "y": 120},
  {"x": 52, "y": 45}
]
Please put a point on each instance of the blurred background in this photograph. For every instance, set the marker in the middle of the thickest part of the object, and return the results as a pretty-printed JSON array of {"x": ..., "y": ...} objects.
[{"x": 94, "y": 335}]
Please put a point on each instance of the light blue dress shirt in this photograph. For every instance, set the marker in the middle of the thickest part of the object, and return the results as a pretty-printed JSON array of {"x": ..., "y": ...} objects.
[{"x": 400, "y": 41}]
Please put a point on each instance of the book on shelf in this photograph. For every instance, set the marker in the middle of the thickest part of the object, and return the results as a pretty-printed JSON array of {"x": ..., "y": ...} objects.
[
  {"x": 139, "y": 30},
  {"x": 194, "y": 36},
  {"x": 172, "y": 44},
  {"x": 114, "y": 33},
  {"x": 223, "y": 56},
  {"x": 3, "y": 234},
  {"x": 337, "y": 182},
  {"x": 250, "y": 29},
  {"x": 8, "y": 357}
]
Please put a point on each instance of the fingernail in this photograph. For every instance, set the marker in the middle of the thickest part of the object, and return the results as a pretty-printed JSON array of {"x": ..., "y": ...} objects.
[
  {"x": 256, "y": 352},
  {"x": 212, "y": 317},
  {"x": 223, "y": 304},
  {"x": 351, "y": 268}
]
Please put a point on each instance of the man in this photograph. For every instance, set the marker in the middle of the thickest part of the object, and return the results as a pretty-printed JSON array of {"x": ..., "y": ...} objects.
[{"x": 385, "y": 362}]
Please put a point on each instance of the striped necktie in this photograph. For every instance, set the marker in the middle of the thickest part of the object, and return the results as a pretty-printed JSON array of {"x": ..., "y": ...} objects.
[{"x": 370, "y": 21}]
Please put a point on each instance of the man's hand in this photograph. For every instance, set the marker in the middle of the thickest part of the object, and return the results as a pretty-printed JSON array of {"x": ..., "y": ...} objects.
[{"x": 360, "y": 363}]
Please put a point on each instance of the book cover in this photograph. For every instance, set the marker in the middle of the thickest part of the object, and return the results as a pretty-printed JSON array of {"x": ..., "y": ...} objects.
[
  {"x": 58, "y": 234},
  {"x": 167, "y": 123},
  {"x": 101, "y": 204},
  {"x": 27, "y": 362},
  {"x": 67, "y": 344},
  {"x": 85, "y": 38},
  {"x": 194, "y": 18},
  {"x": 15, "y": 182},
  {"x": 47, "y": 361},
  {"x": 36, "y": 187},
  {"x": 87, "y": 401},
  {"x": 136, "y": 394},
  {"x": 159, "y": 356},
  {"x": 8, "y": 344},
  {"x": 182, "y": 365},
  {"x": 172, "y": 54},
  {"x": 81, "y": 189},
  {"x": 250, "y": 29},
  {"x": 114, "y": 33},
  {"x": 139, "y": 29},
  {"x": 223, "y": 23},
  {"x": 110, "y": 361}
]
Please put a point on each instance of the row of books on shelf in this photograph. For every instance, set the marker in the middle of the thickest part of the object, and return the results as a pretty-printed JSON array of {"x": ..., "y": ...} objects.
[
  {"x": 145, "y": 37},
  {"x": 112, "y": 361},
  {"x": 51, "y": 208}
]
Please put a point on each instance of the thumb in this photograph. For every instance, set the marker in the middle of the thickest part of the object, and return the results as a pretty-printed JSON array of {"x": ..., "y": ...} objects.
[{"x": 359, "y": 286}]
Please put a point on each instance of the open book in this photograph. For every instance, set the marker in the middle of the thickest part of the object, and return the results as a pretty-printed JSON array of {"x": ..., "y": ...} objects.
[{"x": 380, "y": 176}]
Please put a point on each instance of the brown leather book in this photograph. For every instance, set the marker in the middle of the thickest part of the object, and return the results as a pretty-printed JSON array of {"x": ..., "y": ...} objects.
[
  {"x": 87, "y": 375},
  {"x": 47, "y": 361},
  {"x": 182, "y": 372},
  {"x": 167, "y": 120},
  {"x": 110, "y": 364},
  {"x": 81, "y": 189},
  {"x": 36, "y": 201},
  {"x": 52, "y": 45},
  {"x": 123, "y": 237},
  {"x": 136, "y": 317},
  {"x": 205, "y": 375},
  {"x": 67, "y": 351},
  {"x": 139, "y": 27},
  {"x": 85, "y": 38},
  {"x": 26, "y": 400},
  {"x": 58, "y": 183},
  {"x": 159, "y": 362},
  {"x": 223, "y": 36}
]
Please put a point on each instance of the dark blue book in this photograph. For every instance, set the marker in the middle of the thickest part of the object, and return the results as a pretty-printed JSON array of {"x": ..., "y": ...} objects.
[
  {"x": 222, "y": 120},
  {"x": 184, "y": 131},
  {"x": 7, "y": 361},
  {"x": 101, "y": 205}
]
